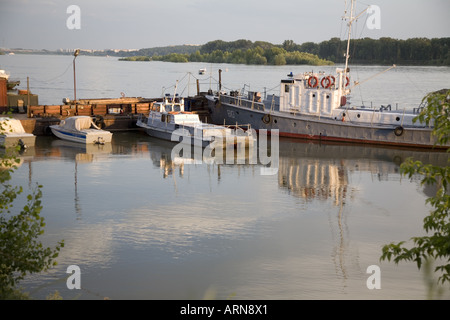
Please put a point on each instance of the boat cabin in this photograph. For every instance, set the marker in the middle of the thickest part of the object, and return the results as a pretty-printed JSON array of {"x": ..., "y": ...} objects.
[
  {"x": 324, "y": 95},
  {"x": 172, "y": 111},
  {"x": 314, "y": 93}
]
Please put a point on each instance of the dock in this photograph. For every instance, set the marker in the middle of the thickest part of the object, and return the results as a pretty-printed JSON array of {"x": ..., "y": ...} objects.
[{"x": 112, "y": 114}]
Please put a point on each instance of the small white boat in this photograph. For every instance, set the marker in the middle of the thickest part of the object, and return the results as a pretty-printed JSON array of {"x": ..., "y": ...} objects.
[
  {"x": 13, "y": 134},
  {"x": 81, "y": 129},
  {"x": 168, "y": 120},
  {"x": 4, "y": 74}
]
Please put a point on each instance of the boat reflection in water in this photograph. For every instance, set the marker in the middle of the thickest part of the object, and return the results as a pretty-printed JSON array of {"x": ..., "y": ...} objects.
[
  {"x": 324, "y": 172},
  {"x": 309, "y": 231},
  {"x": 321, "y": 171},
  {"x": 79, "y": 153}
]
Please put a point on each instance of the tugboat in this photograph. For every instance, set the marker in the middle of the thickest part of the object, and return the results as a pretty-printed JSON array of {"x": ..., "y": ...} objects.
[{"x": 316, "y": 106}]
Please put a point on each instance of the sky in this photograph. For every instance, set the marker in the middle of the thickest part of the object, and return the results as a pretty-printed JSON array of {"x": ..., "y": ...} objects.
[{"x": 136, "y": 24}]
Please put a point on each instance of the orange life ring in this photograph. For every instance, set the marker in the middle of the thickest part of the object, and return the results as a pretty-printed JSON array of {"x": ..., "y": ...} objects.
[
  {"x": 316, "y": 82},
  {"x": 328, "y": 82},
  {"x": 334, "y": 81}
]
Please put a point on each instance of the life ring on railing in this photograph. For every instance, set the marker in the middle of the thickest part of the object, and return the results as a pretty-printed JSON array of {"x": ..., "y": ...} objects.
[
  {"x": 398, "y": 131},
  {"x": 334, "y": 81},
  {"x": 328, "y": 82},
  {"x": 316, "y": 82},
  {"x": 267, "y": 118},
  {"x": 348, "y": 81}
]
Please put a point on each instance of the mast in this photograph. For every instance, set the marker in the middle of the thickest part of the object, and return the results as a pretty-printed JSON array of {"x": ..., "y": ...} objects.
[
  {"x": 349, "y": 36},
  {"x": 350, "y": 22}
]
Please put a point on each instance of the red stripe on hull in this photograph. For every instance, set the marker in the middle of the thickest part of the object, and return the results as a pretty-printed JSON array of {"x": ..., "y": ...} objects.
[{"x": 362, "y": 141}]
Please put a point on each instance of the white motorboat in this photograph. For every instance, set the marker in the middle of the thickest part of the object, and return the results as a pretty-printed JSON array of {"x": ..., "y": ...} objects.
[
  {"x": 81, "y": 129},
  {"x": 168, "y": 120},
  {"x": 4, "y": 74},
  {"x": 13, "y": 134}
]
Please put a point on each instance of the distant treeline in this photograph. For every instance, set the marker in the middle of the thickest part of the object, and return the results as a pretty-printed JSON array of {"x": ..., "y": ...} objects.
[
  {"x": 383, "y": 51},
  {"x": 415, "y": 51},
  {"x": 239, "y": 52}
]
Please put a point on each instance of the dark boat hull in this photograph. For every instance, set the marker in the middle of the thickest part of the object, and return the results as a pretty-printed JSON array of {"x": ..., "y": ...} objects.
[{"x": 323, "y": 129}]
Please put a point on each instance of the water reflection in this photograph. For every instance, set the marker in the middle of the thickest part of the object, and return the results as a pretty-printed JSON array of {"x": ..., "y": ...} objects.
[
  {"x": 321, "y": 171},
  {"x": 314, "y": 171},
  {"x": 222, "y": 221}
]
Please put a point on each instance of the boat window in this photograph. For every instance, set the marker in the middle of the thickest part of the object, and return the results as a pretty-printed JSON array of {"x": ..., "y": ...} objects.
[
  {"x": 158, "y": 108},
  {"x": 286, "y": 88},
  {"x": 177, "y": 107}
]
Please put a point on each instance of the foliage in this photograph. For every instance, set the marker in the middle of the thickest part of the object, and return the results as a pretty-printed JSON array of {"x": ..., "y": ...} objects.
[
  {"x": 414, "y": 51},
  {"x": 136, "y": 58},
  {"x": 21, "y": 253},
  {"x": 436, "y": 245},
  {"x": 242, "y": 52}
]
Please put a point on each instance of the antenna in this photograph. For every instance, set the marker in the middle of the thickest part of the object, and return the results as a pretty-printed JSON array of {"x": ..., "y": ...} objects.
[
  {"x": 348, "y": 38},
  {"x": 350, "y": 22}
]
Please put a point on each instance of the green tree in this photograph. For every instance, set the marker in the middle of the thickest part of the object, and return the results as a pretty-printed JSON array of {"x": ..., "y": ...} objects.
[
  {"x": 21, "y": 253},
  {"x": 279, "y": 60},
  {"x": 435, "y": 246}
]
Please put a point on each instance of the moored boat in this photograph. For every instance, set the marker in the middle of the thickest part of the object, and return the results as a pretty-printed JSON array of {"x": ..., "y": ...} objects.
[
  {"x": 315, "y": 105},
  {"x": 13, "y": 134},
  {"x": 168, "y": 120},
  {"x": 81, "y": 129},
  {"x": 4, "y": 74}
]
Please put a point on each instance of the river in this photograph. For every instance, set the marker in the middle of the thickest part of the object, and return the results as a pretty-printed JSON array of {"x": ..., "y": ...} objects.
[{"x": 142, "y": 225}]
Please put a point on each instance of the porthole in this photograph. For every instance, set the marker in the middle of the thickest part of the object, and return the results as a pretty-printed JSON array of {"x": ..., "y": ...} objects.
[{"x": 397, "y": 118}]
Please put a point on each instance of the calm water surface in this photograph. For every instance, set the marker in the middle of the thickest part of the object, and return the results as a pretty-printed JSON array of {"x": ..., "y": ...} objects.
[{"x": 142, "y": 225}]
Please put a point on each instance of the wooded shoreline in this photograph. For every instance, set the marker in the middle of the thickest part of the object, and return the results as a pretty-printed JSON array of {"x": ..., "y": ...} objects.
[{"x": 383, "y": 51}]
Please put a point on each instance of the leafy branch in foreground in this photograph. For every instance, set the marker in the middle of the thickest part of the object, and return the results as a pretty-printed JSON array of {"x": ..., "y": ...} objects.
[
  {"x": 21, "y": 253},
  {"x": 436, "y": 245}
]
